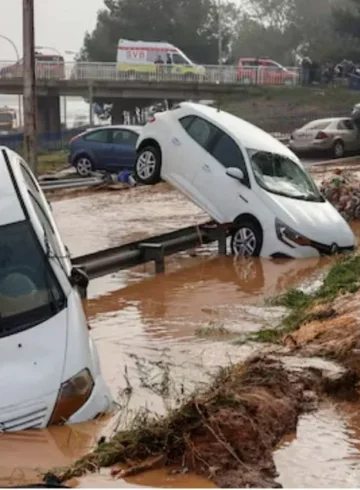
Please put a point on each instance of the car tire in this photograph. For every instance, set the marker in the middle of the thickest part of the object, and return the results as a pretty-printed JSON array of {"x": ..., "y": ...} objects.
[
  {"x": 84, "y": 166},
  {"x": 338, "y": 149},
  {"x": 148, "y": 165},
  {"x": 246, "y": 239}
]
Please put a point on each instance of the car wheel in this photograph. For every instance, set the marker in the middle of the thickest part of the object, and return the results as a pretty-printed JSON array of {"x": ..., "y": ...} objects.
[
  {"x": 246, "y": 240},
  {"x": 338, "y": 149},
  {"x": 148, "y": 166},
  {"x": 83, "y": 166}
]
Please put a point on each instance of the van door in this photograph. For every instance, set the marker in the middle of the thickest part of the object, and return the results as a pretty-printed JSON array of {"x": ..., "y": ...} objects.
[{"x": 222, "y": 196}]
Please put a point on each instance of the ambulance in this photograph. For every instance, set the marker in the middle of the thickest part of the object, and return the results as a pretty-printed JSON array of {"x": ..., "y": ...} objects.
[{"x": 146, "y": 58}]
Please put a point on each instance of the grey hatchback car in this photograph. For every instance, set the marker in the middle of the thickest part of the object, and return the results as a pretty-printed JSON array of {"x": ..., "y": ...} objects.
[{"x": 337, "y": 136}]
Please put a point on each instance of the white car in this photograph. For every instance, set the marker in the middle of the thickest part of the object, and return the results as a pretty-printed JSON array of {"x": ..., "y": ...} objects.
[
  {"x": 49, "y": 370},
  {"x": 241, "y": 175}
]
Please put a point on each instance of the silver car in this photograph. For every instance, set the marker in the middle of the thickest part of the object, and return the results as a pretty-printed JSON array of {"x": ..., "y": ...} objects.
[{"x": 337, "y": 135}]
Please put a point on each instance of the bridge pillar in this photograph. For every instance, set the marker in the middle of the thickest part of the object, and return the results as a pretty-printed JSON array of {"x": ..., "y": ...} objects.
[{"x": 48, "y": 113}]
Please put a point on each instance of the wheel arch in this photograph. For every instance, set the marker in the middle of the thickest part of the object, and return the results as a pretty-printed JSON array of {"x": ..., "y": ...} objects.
[
  {"x": 149, "y": 142},
  {"x": 246, "y": 217}
]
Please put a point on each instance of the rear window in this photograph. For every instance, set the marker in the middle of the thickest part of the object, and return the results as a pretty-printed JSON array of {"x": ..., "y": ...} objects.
[
  {"x": 346, "y": 124},
  {"x": 317, "y": 125}
]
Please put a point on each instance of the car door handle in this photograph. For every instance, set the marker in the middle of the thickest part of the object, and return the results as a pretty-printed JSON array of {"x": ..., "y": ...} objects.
[
  {"x": 176, "y": 141},
  {"x": 206, "y": 167}
]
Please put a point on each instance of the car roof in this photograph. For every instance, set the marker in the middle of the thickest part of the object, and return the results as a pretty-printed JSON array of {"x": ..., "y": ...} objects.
[
  {"x": 327, "y": 120},
  {"x": 250, "y": 136},
  {"x": 130, "y": 127}
]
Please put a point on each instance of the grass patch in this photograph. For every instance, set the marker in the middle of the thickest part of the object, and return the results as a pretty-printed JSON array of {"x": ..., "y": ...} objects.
[
  {"x": 51, "y": 162},
  {"x": 342, "y": 278}
]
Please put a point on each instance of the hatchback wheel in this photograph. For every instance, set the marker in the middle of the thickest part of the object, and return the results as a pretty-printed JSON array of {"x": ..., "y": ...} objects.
[
  {"x": 83, "y": 166},
  {"x": 246, "y": 240},
  {"x": 338, "y": 149},
  {"x": 148, "y": 166}
]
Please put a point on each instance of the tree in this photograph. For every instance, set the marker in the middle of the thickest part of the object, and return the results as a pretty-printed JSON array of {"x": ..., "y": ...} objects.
[
  {"x": 191, "y": 25},
  {"x": 346, "y": 20}
]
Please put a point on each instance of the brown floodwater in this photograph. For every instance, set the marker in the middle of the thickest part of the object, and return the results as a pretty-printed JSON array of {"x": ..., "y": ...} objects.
[{"x": 166, "y": 335}]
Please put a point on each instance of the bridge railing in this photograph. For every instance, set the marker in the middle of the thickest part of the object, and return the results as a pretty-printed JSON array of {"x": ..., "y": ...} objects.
[{"x": 89, "y": 71}]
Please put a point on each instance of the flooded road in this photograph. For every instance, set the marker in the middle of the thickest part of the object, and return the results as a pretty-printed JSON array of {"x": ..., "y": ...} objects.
[{"x": 159, "y": 337}]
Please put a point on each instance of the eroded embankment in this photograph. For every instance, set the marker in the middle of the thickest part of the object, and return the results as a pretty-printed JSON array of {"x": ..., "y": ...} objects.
[{"x": 229, "y": 431}]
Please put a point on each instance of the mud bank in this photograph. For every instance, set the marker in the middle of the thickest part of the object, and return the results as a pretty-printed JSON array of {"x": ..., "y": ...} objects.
[{"x": 226, "y": 433}]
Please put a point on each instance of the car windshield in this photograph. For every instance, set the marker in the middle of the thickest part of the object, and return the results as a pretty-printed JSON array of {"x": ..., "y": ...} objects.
[
  {"x": 29, "y": 291},
  {"x": 280, "y": 175}
]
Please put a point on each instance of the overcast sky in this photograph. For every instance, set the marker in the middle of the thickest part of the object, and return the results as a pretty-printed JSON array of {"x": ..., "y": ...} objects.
[{"x": 59, "y": 24}]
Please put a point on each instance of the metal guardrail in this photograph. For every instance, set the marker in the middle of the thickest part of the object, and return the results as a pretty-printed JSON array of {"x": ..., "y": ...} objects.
[
  {"x": 77, "y": 183},
  {"x": 90, "y": 71},
  {"x": 151, "y": 249}
]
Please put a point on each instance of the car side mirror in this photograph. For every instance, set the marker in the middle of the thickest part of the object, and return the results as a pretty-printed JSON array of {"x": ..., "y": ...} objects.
[
  {"x": 235, "y": 173},
  {"x": 79, "y": 278}
]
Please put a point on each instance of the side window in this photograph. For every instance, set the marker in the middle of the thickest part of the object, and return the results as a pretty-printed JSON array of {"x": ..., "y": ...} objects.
[
  {"x": 179, "y": 60},
  {"x": 227, "y": 152},
  {"x": 124, "y": 137},
  {"x": 346, "y": 124},
  {"x": 201, "y": 131},
  {"x": 251, "y": 63},
  {"x": 186, "y": 121},
  {"x": 49, "y": 231},
  {"x": 101, "y": 136}
]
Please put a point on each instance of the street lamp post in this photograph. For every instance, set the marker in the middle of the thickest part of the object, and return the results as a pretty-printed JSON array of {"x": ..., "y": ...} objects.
[
  {"x": 65, "y": 101},
  {"x": 18, "y": 60}
]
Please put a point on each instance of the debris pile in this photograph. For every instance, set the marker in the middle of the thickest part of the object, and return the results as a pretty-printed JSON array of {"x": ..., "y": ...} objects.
[{"x": 342, "y": 189}]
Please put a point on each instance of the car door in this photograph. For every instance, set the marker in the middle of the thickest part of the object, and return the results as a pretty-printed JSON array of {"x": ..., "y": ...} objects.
[
  {"x": 222, "y": 196},
  {"x": 186, "y": 150},
  {"x": 123, "y": 146},
  {"x": 350, "y": 134},
  {"x": 98, "y": 145}
]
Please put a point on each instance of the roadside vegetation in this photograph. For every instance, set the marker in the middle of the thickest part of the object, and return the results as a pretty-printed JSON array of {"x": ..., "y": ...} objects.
[
  {"x": 343, "y": 277},
  {"x": 51, "y": 162}
]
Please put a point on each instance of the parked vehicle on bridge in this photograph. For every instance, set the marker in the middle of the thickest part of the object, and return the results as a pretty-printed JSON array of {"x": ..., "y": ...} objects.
[
  {"x": 46, "y": 66},
  {"x": 50, "y": 371},
  {"x": 335, "y": 136},
  {"x": 7, "y": 119},
  {"x": 241, "y": 176},
  {"x": 109, "y": 148},
  {"x": 139, "y": 58},
  {"x": 263, "y": 71}
]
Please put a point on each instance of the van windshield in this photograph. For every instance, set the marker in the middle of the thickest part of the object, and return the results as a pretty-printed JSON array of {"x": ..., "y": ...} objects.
[
  {"x": 280, "y": 175},
  {"x": 29, "y": 291}
]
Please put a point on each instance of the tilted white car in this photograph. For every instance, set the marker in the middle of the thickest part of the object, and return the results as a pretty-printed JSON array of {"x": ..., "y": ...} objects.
[
  {"x": 239, "y": 174},
  {"x": 49, "y": 370}
]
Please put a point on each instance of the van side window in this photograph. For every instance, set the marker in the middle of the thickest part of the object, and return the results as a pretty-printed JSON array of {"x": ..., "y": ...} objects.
[
  {"x": 228, "y": 153},
  {"x": 49, "y": 230},
  {"x": 201, "y": 131}
]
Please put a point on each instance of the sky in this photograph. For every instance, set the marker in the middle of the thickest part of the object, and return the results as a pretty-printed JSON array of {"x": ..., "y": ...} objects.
[{"x": 59, "y": 24}]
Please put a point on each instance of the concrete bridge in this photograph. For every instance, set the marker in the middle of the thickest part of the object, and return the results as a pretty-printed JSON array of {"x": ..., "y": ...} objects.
[{"x": 126, "y": 90}]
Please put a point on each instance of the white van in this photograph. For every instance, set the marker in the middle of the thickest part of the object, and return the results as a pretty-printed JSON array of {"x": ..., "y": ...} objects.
[
  {"x": 49, "y": 371},
  {"x": 244, "y": 177},
  {"x": 148, "y": 57}
]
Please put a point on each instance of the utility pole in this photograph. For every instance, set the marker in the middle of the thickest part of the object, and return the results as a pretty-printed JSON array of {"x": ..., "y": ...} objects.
[
  {"x": 30, "y": 119},
  {"x": 220, "y": 32}
]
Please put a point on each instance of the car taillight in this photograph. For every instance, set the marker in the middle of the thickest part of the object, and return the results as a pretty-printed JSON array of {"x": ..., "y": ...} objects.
[
  {"x": 151, "y": 119},
  {"x": 321, "y": 136}
]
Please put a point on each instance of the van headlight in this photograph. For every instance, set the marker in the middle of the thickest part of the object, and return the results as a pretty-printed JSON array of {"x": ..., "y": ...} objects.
[
  {"x": 289, "y": 236},
  {"x": 73, "y": 394}
]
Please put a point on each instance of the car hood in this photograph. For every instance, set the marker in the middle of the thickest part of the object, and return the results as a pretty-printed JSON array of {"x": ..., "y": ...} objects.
[
  {"x": 318, "y": 221},
  {"x": 32, "y": 361}
]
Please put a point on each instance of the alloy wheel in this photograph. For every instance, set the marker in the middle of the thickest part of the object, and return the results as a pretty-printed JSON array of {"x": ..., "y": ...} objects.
[
  {"x": 146, "y": 164},
  {"x": 244, "y": 242}
]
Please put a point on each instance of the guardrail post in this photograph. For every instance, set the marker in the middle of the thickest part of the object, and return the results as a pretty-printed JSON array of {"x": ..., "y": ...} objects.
[
  {"x": 219, "y": 234},
  {"x": 155, "y": 252}
]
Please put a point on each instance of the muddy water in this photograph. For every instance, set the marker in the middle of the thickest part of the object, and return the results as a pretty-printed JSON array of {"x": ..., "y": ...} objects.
[
  {"x": 108, "y": 219},
  {"x": 325, "y": 451}
]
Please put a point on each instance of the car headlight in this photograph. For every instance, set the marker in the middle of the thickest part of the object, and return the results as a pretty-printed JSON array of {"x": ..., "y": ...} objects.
[
  {"x": 73, "y": 394},
  {"x": 289, "y": 236}
]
